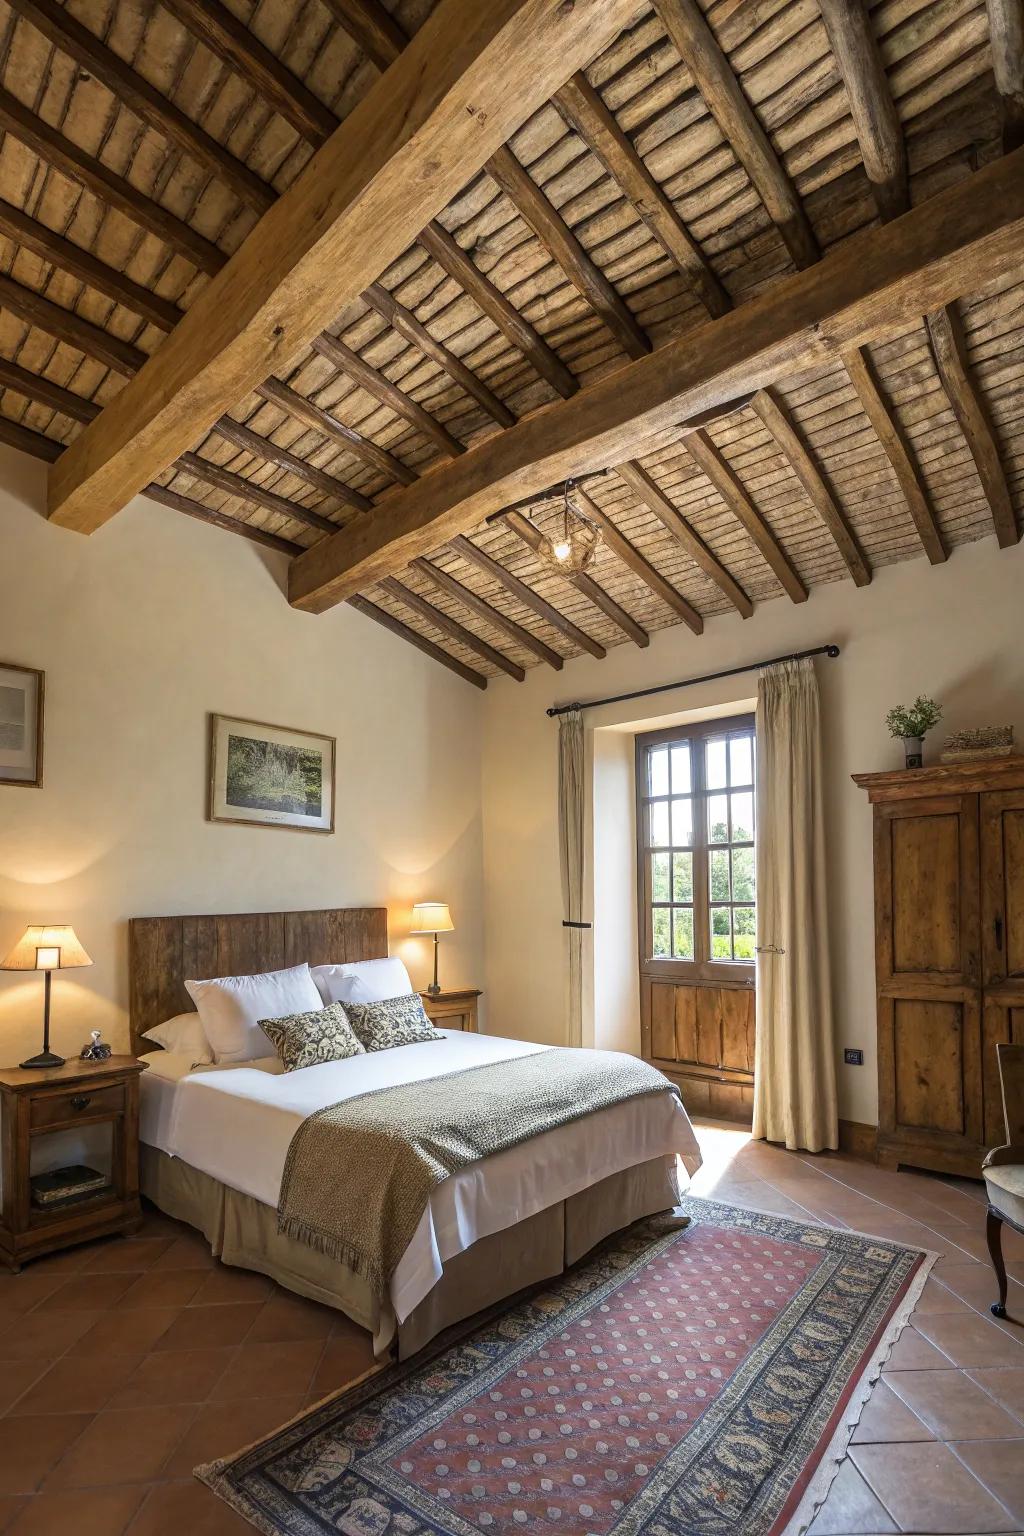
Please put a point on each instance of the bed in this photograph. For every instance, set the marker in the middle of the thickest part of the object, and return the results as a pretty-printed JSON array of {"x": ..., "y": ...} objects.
[{"x": 215, "y": 1141}]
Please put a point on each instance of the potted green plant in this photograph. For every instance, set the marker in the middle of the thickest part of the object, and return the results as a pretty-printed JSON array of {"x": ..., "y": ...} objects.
[{"x": 912, "y": 725}]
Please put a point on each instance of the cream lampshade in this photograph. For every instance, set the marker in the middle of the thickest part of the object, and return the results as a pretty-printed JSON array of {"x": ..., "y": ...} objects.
[
  {"x": 432, "y": 917},
  {"x": 46, "y": 948}
]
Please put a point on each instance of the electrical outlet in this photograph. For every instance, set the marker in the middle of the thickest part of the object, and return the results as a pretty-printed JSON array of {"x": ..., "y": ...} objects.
[{"x": 852, "y": 1057}]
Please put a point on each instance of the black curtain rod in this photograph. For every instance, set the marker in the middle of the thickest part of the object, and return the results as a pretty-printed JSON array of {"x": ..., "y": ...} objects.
[{"x": 690, "y": 682}]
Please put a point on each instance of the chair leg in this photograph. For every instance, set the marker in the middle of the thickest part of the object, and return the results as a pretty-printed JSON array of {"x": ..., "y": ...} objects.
[{"x": 994, "y": 1233}]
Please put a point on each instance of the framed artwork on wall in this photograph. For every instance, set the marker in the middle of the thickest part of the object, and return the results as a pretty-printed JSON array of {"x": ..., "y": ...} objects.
[
  {"x": 21, "y": 725},
  {"x": 270, "y": 775}
]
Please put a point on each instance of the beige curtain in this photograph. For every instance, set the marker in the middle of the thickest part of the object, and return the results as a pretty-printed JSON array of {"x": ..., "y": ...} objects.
[
  {"x": 794, "y": 1063},
  {"x": 571, "y": 791}
]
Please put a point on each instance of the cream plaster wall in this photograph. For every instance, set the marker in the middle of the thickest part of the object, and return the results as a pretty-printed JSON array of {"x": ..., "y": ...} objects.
[
  {"x": 956, "y": 631},
  {"x": 142, "y": 630}
]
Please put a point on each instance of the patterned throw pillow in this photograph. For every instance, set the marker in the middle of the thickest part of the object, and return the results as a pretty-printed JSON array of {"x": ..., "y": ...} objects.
[
  {"x": 395, "y": 1021},
  {"x": 306, "y": 1039}
]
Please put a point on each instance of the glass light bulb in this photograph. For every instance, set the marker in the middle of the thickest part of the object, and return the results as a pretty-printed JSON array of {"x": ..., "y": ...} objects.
[{"x": 562, "y": 550}]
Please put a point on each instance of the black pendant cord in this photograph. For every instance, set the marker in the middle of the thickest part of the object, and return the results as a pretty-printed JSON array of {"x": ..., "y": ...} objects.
[{"x": 691, "y": 682}]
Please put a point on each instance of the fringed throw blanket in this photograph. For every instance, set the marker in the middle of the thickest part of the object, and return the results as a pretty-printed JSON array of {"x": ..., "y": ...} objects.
[{"x": 359, "y": 1174}]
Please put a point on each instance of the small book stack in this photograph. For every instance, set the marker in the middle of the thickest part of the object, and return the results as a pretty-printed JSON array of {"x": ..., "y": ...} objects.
[
  {"x": 979, "y": 746},
  {"x": 62, "y": 1185}
]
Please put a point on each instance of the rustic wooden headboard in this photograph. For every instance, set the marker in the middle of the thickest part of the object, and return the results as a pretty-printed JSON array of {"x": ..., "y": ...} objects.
[{"x": 164, "y": 952}]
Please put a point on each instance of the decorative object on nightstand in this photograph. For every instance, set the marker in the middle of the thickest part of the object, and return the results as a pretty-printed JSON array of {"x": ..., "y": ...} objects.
[
  {"x": 46, "y": 948},
  {"x": 432, "y": 917},
  {"x": 453, "y": 1010},
  {"x": 58, "y": 1206},
  {"x": 95, "y": 1048}
]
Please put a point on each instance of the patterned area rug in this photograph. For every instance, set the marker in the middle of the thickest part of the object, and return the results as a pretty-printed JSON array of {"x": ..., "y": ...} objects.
[{"x": 699, "y": 1380}]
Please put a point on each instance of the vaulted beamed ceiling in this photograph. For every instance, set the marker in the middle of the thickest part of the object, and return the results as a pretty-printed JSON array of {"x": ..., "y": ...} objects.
[{"x": 752, "y": 274}]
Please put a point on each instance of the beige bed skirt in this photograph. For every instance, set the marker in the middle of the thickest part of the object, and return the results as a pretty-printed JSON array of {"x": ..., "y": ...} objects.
[{"x": 243, "y": 1231}]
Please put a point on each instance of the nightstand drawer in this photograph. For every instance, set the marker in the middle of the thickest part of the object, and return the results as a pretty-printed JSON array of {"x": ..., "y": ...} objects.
[{"x": 79, "y": 1103}]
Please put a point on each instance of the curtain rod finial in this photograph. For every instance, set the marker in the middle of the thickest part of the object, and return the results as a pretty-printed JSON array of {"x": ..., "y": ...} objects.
[{"x": 832, "y": 650}]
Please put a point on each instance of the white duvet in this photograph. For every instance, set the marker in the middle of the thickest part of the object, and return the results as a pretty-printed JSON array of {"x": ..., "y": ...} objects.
[{"x": 236, "y": 1125}]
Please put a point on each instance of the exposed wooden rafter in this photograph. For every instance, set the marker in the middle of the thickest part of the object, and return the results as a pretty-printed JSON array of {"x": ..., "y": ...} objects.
[
  {"x": 647, "y": 490},
  {"x": 581, "y": 580},
  {"x": 527, "y": 596},
  {"x": 362, "y": 373},
  {"x": 712, "y": 464},
  {"x": 36, "y": 309},
  {"x": 413, "y": 637},
  {"x": 630, "y": 556},
  {"x": 319, "y": 419},
  {"x": 445, "y": 582},
  {"x": 1006, "y": 30},
  {"x": 871, "y": 105},
  {"x": 451, "y": 627}
]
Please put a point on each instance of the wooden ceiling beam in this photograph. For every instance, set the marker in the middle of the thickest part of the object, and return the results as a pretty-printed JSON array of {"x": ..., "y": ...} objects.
[
  {"x": 585, "y": 111},
  {"x": 71, "y": 161},
  {"x": 149, "y": 105},
  {"x": 26, "y": 440},
  {"x": 347, "y": 361},
  {"x": 713, "y": 76},
  {"x": 405, "y": 323},
  {"x": 451, "y": 627},
  {"x": 319, "y": 419},
  {"x": 1006, "y": 35},
  {"x": 777, "y": 422},
  {"x": 535, "y": 540},
  {"x": 250, "y": 490},
  {"x": 872, "y": 108},
  {"x": 527, "y": 596},
  {"x": 956, "y": 242},
  {"x": 45, "y": 392},
  {"x": 263, "y": 448},
  {"x": 887, "y": 429},
  {"x": 949, "y": 350},
  {"x": 712, "y": 464},
  {"x": 372, "y": 27},
  {"x": 630, "y": 556},
  {"x": 179, "y": 503},
  {"x": 67, "y": 326},
  {"x": 405, "y": 150},
  {"x": 654, "y": 499},
  {"x": 413, "y": 637},
  {"x": 486, "y": 611},
  {"x": 220, "y": 30},
  {"x": 87, "y": 268}
]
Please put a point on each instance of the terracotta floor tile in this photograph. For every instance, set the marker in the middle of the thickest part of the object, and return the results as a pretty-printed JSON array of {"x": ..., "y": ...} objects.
[
  {"x": 87, "y": 1293},
  {"x": 1005, "y": 1384},
  {"x": 43, "y": 1336},
  {"x": 999, "y": 1464},
  {"x": 973, "y": 1340},
  {"x": 913, "y": 1352},
  {"x": 10, "y": 1506},
  {"x": 886, "y": 1417},
  {"x": 173, "y": 1376},
  {"x": 131, "y": 1332},
  {"x": 228, "y": 1285},
  {"x": 128, "y": 1253},
  {"x": 936, "y": 1297},
  {"x": 220, "y": 1429},
  {"x": 926, "y": 1488},
  {"x": 86, "y": 1512},
  {"x": 78, "y": 1384},
  {"x": 68, "y": 1262},
  {"x": 970, "y": 1243},
  {"x": 16, "y": 1376},
  {"x": 270, "y": 1370},
  {"x": 291, "y": 1317},
  {"x": 190, "y": 1251},
  {"x": 953, "y": 1406},
  {"x": 30, "y": 1446},
  {"x": 164, "y": 1288},
  {"x": 851, "y": 1506},
  {"x": 210, "y": 1327},
  {"x": 173, "y": 1508},
  {"x": 976, "y": 1284},
  {"x": 123, "y": 1446},
  {"x": 20, "y": 1293},
  {"x": 343, "y": 1361}
]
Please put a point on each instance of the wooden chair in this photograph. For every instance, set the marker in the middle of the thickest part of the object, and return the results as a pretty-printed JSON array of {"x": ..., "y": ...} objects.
[{"x": 1004, "y": 1167}]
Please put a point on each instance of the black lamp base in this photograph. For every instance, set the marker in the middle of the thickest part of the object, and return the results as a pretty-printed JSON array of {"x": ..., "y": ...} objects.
[{"x": 44, "y": 1059}]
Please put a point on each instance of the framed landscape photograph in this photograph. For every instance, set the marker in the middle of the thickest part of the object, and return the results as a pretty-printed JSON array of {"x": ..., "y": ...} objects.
[
  {"x": 270, "y": 775},
  {"x": 21, "y": 725}
]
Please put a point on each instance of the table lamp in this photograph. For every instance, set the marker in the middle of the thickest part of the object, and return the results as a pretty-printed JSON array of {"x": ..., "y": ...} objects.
[
  {"x": 46, "y": 949},
  {"x": 432, "y": 917}
]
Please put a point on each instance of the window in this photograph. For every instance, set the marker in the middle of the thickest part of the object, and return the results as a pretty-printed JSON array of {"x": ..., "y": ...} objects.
[{"x": 695, "y": 829}]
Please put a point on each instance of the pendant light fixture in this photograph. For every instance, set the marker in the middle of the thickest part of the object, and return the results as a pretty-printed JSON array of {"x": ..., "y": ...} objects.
[{"x": 574, "y": 544}]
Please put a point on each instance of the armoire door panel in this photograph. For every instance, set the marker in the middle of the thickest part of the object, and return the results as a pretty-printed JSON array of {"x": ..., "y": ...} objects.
[
  {"x": 926, "y": 920},
  {"x": 930, "y": 1070},
  {"x": 1002, "y": 885}
]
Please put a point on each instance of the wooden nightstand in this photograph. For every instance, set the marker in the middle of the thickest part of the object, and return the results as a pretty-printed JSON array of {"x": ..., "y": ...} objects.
[
  {"x": 453, "y": 1010},
  {"x": 39, "y": 1102}
]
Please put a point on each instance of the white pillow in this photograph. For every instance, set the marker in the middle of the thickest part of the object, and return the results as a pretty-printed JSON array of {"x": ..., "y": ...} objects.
[
  {"x": 362, "y": 981},
  {"x": 183, "y": 1035},
  {"x": 232, "y": 1006}
]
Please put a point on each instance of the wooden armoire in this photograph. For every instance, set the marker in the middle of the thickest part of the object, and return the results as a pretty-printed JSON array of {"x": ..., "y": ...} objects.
[{"x": 949, "y": 955}]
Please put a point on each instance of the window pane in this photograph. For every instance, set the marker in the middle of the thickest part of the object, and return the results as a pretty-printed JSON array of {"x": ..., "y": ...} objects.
[
  {"x": 714, "y": 761},
  {"x": 743, "y": 928},
  {"x": 742, "y": 817},
  {"x": 682, "y": 933},
  {"x": 721, "y": 936},
  {"x": 657, "y": 771},
  {"x": 661, "y": 932},
  {"x": 718, "y": 819},
  {"x": 682, "y": 823},
  {"x": 681, "y": 780},
  {"x": 660, "y": 876},
  {"x": 719, "y": 882},
  {"x": 741, "y": 766},
  {"x": 742, "y": 874},
  {"x": 658, "y": 813},
  {"x": 682, "y": 877}
]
